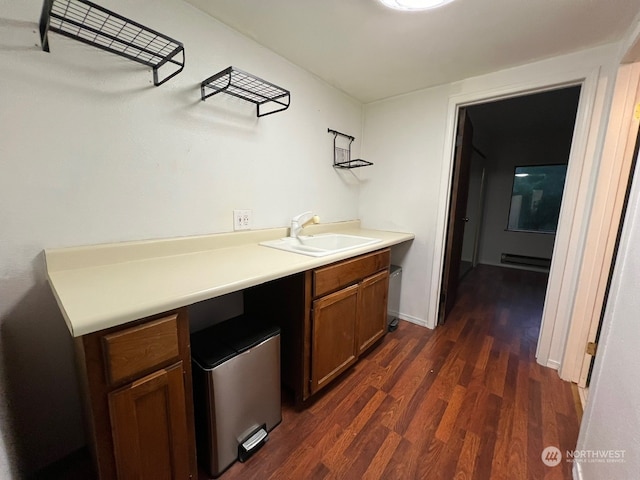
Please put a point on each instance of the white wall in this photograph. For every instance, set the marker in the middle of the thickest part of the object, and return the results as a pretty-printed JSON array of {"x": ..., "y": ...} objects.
[
  {"x": 92, "y": 152},
  {"x": 505, "y": 154},
  {"x": 406, "y": 137},
  {"x": 611, "y": 419}
]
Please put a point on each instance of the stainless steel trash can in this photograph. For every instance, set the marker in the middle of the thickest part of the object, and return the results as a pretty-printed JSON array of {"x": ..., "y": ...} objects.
[
  {"x": 393, "y": 307},
  {"x": 236, "y": 369}
]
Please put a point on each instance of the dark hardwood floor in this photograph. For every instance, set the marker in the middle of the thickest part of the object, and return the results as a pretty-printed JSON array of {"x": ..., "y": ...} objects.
[{"x": 464, "y": 401}]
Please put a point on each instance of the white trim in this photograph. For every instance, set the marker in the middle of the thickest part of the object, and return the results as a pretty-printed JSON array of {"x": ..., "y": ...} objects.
[
  {"x": 552, "y": 364},
  {"x": 415, "y": 320},
  {"x": 605, "y": 219},
  {"x": 569, "y": 244},
  {"x": 630, "y": 46},
  {"x": 583, "y": 392},
  {"x": 577, "y": 471},
  {"x": 565, "y": 263}
]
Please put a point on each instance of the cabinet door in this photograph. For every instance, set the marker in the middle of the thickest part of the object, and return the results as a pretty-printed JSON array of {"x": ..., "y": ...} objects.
[
  {"x": 149, "y": 426},
  {"x": 333, "y": 335},
  {"x": 372, "y": 309}
]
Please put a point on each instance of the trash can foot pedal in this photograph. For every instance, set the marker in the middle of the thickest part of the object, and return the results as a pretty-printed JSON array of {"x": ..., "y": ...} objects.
[
  {"x": 252, "y": 443},
  {"x": 393, "y": 324}
]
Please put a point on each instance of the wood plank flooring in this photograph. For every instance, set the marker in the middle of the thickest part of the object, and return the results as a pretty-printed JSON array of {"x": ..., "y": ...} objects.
[{"x": 464, "y": 401}]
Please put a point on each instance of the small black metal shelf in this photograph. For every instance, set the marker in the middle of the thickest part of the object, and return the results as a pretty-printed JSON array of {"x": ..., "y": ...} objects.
[
  {"x": 94, "y": 25},
  {"x": 246, "y": 86},
  {"x": 342, "y": 156}
]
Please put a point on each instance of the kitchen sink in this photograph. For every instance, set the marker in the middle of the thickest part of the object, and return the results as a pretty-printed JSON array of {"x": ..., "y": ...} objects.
[{"x": 320, "y": 245}]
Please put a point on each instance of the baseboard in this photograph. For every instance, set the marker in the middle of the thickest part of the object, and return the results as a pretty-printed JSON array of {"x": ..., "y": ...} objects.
[
  {"x": 553, "y": 364},
  {"x": 414, "y": 320},
  {"x": 525, "y": 261},
  {"x": 516, "y": 267}
]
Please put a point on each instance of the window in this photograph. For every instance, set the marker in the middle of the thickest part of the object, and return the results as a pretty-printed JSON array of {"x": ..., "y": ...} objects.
[{"x": 536, "y": 198}]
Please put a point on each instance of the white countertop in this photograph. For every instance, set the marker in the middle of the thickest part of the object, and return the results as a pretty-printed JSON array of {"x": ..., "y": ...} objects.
[{"x": 103, "y": 286}]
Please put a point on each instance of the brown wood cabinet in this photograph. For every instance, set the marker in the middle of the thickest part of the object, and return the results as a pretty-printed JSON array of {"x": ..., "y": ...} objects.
[
  {"x": 334, "y": 323},
  {"x": 138, "y": 399},
  {"x": 372, "y": 308},
  {"x": 329, "y": 316},
  {"x": 348, "y": 321}
]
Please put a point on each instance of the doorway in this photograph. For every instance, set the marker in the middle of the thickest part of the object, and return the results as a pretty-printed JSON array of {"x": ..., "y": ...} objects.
[{"x": 527, "y": 131}]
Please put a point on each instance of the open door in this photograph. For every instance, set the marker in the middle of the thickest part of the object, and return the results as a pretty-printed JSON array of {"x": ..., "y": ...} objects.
[
  {"x": 457, "y": 215},
  {"x": 475, "y": 207},
  {"x": 596, "y": 327},
  {"x": 618, "y": 163}
]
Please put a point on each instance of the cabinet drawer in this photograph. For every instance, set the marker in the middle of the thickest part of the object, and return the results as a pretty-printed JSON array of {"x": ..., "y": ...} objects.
[
  {"x": 138, "y": 349},
  {"x": 333, "y": 277}
]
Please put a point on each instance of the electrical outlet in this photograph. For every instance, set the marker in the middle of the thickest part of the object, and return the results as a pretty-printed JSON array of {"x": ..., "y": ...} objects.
[{"x": 242, "y": 219}]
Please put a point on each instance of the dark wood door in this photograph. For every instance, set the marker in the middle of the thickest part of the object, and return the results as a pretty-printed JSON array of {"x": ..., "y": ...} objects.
[
  {"x": 149, "y": 426},
  {"x": 372, "y": 309},
  {"x": 457, "y": 215},
  {"x": 333, "y": 335}
]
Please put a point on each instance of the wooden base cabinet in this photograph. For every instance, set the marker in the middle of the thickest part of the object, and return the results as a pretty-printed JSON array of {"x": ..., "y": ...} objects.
[
  {"x": 334, "y": 324},
  {"x": 149, "y": 429},
  {"x": 345, "y": 323},
  {"x": 138, "y": 399},
  {"x": 328, "y": 317},
  {"x": 372, "y": 309}
]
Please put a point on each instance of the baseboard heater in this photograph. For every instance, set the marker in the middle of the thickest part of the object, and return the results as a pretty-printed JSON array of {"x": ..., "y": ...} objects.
[{"x": 525, "y": 261}]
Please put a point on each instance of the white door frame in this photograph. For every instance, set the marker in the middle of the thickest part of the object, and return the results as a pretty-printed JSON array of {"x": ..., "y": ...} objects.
[
  {"x": 613, "y": 176},
  {"x": 568, "y": 248}
]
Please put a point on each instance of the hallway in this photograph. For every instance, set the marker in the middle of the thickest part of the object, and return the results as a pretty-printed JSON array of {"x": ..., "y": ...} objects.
[{"x": 467, "y": 400}]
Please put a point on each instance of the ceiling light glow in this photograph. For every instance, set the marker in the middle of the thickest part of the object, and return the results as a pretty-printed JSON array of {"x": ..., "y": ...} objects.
[{"x": 412, "y": 5}]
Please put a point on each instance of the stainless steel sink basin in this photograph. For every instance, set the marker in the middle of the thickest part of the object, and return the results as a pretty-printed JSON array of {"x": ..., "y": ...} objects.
[{"x": 320, "y": 245}]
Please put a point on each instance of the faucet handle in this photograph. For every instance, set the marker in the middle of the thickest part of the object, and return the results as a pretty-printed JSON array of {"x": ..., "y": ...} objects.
[
  {"x": 314, "y": 219},
  {"x": 300, "y": 221}
]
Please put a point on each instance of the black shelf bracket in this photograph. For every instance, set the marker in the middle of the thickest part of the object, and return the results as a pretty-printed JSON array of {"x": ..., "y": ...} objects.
[
  {"x": 237, "y": 83},
  {"x": 342, "y": 156},
  {"x": 94, "y": 25}
]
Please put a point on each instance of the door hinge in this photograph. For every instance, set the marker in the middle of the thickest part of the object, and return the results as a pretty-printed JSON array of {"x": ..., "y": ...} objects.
[
  {"x": 591, "y": 349},
  {"x": 458, "y": 140}
]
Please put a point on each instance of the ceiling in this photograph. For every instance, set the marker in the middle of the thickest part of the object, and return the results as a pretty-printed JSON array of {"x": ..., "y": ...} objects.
[{"x": 372, "y": 52}]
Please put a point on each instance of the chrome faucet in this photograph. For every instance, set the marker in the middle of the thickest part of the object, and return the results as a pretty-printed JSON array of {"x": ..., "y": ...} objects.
[{"x": 300, "y": 221}]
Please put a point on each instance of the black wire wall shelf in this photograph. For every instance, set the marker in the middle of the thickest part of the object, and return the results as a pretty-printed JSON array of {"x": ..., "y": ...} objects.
[
  {"x": 342, "y": 156},
  {"x": 246, "y": 86},
  {"x": 95, "y": 25}
]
